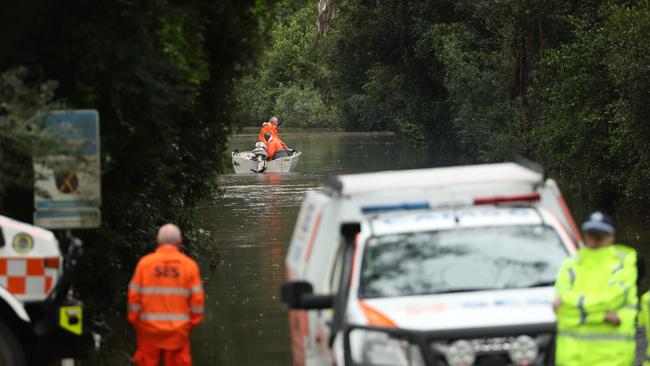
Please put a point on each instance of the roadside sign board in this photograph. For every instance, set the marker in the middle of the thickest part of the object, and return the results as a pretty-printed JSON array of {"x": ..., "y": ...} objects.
[
  {"x": 68, "y": 180},
  {"x": 68, "y": 219}
]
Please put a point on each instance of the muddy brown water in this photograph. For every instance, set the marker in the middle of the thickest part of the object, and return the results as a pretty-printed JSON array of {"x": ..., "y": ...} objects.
[{"x": 252, "y": 220}]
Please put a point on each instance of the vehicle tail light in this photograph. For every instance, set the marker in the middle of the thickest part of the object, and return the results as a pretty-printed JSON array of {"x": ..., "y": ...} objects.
[
  {"x": 52, "y": 262},
  {"x": 526, "y": 197}
]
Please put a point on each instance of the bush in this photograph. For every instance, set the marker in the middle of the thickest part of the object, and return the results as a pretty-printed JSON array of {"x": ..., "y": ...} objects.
[{"x": 303, "y": 107}]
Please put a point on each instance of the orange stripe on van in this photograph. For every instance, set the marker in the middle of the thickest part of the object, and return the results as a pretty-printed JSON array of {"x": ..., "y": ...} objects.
[
  {"x": 375, "y": 317},
  {"x": 298, "y": 325},
  {"x": 357, "y": 240},
  {"x": 567, "y": 214},
  {"x": 312, "y": 237},
  {"x": 564, "y": 233}
]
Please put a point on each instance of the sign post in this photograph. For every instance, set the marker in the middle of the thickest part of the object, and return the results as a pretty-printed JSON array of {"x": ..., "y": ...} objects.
[{"x": 67, "y": 190}]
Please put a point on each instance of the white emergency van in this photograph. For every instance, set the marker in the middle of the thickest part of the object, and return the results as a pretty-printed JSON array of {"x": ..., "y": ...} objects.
[
  {"x": 446, "y": 266},
  {"x": 39, "y": 321}
]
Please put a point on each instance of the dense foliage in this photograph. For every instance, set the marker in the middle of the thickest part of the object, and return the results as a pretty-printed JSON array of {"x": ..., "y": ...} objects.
[
  {"x": 161, "y": 74},
  {"x": 290, "y": 75},
  {"x": 22, "y": 133},
  {"x": 560, "y": 82},
  {"x": 593, "y": 97}
]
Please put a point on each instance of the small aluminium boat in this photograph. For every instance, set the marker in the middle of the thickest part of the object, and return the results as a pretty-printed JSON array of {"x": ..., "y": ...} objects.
[{"x": 254, "y": 162}]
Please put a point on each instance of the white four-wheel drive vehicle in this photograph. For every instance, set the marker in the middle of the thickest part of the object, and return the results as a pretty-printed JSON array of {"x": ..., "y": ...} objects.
[
  {"x": 39, "y": 321},
  {"x": 447, "y": 266}
]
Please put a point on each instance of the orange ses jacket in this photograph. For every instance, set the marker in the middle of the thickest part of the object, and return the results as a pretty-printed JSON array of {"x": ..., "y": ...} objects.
[
  {"x": 273, "y": 146},
  {"x": 268, "y": 128},
  {"x": 165, "y": 298}
]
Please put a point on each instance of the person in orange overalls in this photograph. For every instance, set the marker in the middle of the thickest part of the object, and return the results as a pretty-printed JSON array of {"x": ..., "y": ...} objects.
[
  {"x": 271, "y": 127},
  {"x": 275, "y": 148},
  {"x": 165, "y": 302}
]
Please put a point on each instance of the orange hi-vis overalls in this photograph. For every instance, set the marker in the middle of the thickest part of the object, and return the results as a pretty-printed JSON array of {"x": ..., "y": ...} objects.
[
  {"x": 165, "y": 302},
  {"x": 273, "y": 146},
  {"x": 273, "y": 130},
  {"x": 268, "y": 127}
]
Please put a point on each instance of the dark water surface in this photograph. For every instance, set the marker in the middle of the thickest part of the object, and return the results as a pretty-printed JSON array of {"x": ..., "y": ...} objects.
[{"x": 253, "y": 219}]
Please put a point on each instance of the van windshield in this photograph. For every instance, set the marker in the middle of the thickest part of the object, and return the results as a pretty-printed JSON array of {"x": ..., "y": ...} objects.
[{"x": 458, "y": 260}]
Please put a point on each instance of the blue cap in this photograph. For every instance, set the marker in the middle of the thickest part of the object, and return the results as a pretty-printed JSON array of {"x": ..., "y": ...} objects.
[{"x": 599, "y": 222}]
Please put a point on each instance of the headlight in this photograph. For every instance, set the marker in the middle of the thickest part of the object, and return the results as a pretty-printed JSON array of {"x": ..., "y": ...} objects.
[
  {"x": 523, "y": 351},
  {"x": 380, "y": 349},
  {"x": 459, "y": 353}
]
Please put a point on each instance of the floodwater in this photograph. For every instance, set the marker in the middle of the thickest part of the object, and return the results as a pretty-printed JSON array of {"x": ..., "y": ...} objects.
[{"x": 252, "y": 221}]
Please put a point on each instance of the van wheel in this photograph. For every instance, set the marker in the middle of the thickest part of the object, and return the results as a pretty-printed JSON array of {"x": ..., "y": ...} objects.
[{"x": 11, "y": 351}]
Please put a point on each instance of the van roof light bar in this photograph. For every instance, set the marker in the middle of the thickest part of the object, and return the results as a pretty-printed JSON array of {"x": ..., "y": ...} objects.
[
  {"x": 493, "y": 200},
  {"x": 408, "y": 206}
]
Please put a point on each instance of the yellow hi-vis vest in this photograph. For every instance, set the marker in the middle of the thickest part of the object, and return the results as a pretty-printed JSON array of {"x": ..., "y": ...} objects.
[
  {"x": 644, "y": 321},
  {"x": 589, "y": 285}
]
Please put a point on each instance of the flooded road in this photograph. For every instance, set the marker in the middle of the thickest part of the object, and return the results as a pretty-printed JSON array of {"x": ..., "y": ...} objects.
[{"x": 252, "y": 221}]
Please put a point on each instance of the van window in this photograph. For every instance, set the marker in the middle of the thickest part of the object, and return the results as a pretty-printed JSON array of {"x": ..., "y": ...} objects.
[{"x": 459, "y": 260}]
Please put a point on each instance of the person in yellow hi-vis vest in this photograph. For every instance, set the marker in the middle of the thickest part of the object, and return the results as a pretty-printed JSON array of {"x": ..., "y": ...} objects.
[{"x": 596, "y": 304}]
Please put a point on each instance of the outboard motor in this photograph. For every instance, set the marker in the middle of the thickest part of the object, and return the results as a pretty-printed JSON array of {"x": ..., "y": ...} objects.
[{"x": 260, "y": 156}]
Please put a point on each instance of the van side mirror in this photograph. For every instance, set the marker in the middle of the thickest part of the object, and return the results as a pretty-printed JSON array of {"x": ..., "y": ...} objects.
[
  {"x": 300, "y": 295},
  {"x": 349, "y": 231}
]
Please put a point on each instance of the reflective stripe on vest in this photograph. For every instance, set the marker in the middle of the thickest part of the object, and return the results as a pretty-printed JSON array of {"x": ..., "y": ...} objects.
[
  {"x": 621, "y": 256},
  {"x": 158, "y": 290},
  {"x": 134, "y": 307},
  {"x": 197, "y": 309},
  {"x": 596, "y": 336},
  {"x": 581, "y": 306},
  {"x": 197, "y": 288},
  {"x": 572, "y": 276},
  {"x": 164, "y": 316}
]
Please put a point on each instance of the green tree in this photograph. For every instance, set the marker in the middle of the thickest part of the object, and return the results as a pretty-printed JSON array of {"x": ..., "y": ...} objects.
[
  {"x": 287, "y": 81},
  {"x": 22, "y": 133},
  {"x": 593, "y": 131},
  {"x": 488, "y": 121}
]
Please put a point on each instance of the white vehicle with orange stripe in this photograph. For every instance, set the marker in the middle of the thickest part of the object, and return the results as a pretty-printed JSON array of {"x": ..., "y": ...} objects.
[
  {"x": 39, "y": 321},
  {"x": 446, "y": 266}
]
